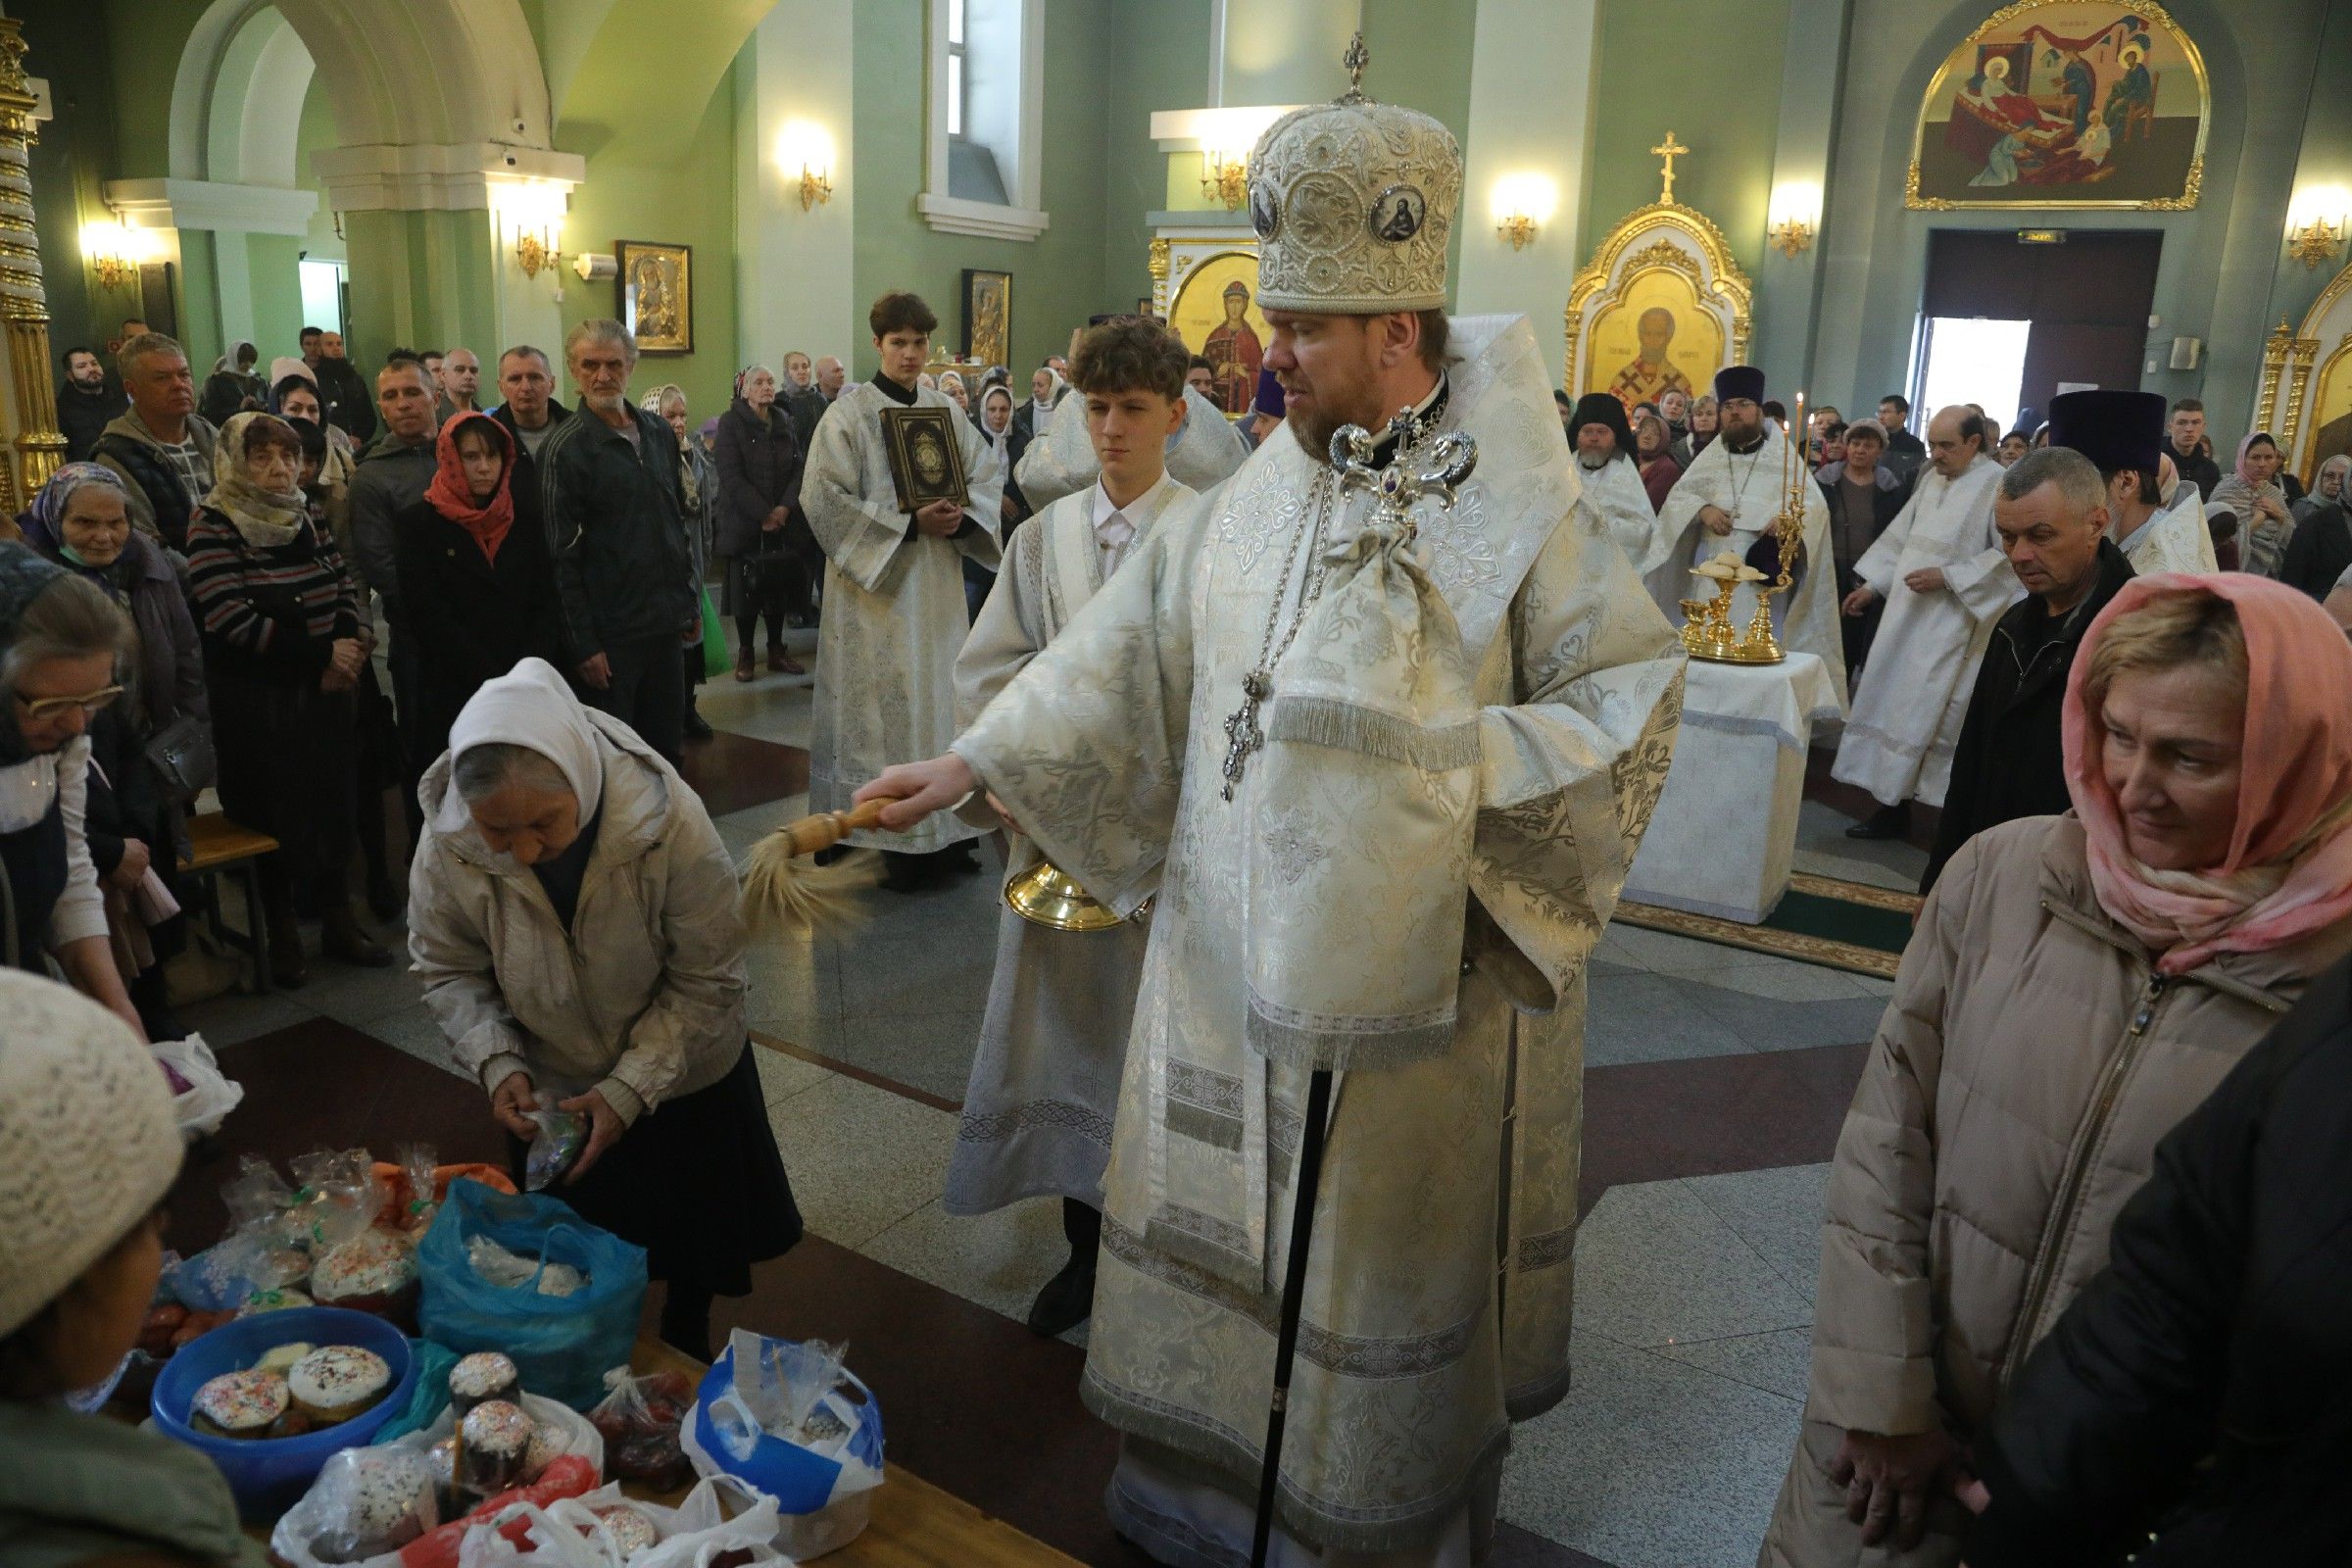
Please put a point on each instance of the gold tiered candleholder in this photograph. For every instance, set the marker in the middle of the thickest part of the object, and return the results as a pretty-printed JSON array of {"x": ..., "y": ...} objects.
[{"x": 1707, "y": 623}]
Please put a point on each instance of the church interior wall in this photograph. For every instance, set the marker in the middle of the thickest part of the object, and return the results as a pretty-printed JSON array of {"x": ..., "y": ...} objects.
[
  {"x": 69, "y": 163},
  {"x": 1057, "y": 279},
  {"x": 1160, "y": 54}
]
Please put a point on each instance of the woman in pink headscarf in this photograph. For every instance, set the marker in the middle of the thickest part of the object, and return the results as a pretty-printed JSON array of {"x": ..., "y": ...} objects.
[
  {"x": 2253, "y": 493},
  {"x": 2074, "y": 986}
]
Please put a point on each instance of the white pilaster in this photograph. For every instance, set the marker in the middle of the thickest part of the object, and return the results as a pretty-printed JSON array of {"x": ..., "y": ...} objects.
[
  {"x": 794, "y": 287},
  {"x": 1530, "y": 135}
]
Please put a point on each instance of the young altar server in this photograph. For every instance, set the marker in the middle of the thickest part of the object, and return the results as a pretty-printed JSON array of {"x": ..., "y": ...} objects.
[
  {"x": 1044, "y": 1084},
  {"x": 895, "y": 611},
  {"x": 1200, "y": 452}
]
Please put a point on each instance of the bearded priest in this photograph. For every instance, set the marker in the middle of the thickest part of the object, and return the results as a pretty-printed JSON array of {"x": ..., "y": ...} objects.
[
  {"x": 1613, "y": 501},
  {"x": 1728, "y": 500},
  {"x": 1383, "y": 779}
]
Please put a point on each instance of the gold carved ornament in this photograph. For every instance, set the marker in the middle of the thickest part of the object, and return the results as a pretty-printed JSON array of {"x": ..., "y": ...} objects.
[
  {"x": 24, "y": 306},
  {"x": 2288, "y": 359},
  {"x": 1716, "y": 279},
  {"x": 2149, "y": 11}
]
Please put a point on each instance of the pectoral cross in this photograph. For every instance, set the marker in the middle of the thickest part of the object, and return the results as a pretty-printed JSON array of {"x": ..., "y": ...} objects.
[
  {"x": 1670, "y": 150},
  {"x": 1434, "y": 472}
]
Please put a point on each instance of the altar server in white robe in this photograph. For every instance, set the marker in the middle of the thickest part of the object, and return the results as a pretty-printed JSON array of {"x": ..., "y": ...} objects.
[
  {"x": 1728, "y": 500},
  {"x": 1941, "y": 573},
  {"x": 1236, "y": 724},
  {"x": 1202, "y": 455},
  {"x": 894, "y": 615},
  {"x": 1614, "y": 502},
  {"x": 2123, "y": 434},
  {"x": 1045, "y": 1083}
]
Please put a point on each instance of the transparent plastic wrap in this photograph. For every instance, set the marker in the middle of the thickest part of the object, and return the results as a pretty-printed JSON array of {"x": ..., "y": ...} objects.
[
  {"x": 366, "y": 1503},
  {"x": 789, "y": 1420},
  {"x": 640, "y": 1421},
  {"x": 556, "y": 1147}
]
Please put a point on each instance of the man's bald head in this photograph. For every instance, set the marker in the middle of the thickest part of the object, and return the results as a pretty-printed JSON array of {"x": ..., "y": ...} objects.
[
  {"x": 1955, "y": 440},
  {"x": 829, "y": 373}
]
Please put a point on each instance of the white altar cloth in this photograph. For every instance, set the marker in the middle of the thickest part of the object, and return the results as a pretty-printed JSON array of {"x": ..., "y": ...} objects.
[{"x": 1725, "y": 830}]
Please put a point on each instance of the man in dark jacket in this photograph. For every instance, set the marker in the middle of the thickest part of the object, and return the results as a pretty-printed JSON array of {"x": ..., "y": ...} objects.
[
  {"x": 391, "y": 477},
  {"x": 2194, "y": 1405},
  {"x": 2051, "y": 516},
  {"x": 2187, "y": 446},
  {"x": 1906, "y": 453},
  {"x": 85, "y": 403},
  {"x": 527, "y": 406},
  {"x": 614, "y": 513},
  {"x": 160, "y": 446},
  {"x": 347, "y": 401}
]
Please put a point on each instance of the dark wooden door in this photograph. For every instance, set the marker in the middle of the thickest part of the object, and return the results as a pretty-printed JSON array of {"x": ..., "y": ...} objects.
[{"x": 2088, "y": 299}]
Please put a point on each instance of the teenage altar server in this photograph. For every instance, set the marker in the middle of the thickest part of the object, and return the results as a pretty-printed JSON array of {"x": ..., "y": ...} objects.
[
  {"x": 1939, "y": 570},
  {"x": 1382, "y": 783},
  {"x": 894, "y": 615},
  {"x": 1045, "y": 1085},
  {"x": 1201, "y": 454}
]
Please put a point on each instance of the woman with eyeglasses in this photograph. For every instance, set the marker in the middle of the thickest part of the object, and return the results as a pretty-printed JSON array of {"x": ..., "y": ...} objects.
[
  {"x": 61, "y": 639},
  {"x": 281, "y": 623}
]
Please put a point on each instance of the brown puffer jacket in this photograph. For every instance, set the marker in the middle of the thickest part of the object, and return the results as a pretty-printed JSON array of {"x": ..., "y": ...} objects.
[{"x": 2025, "y": 1068}]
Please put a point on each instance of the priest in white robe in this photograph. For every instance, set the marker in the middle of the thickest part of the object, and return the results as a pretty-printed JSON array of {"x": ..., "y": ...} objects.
[
  {"x": 1614, "y": 503},
  {"x": 894, "y": 615},
  {"x": 1202, "y": 455},
  {"x": 1202, "y": 733},
  {"x": 1045, "y": 1082},
  {"x": 1728, "y": 499},
  {"x": 1941, "y": 573},
  {"x": 2159, "y": 526}
]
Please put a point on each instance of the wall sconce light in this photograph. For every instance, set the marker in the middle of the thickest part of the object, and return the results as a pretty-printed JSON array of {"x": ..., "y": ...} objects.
[
  {"x": 803, "y": 145},
  {"x": 2316, "y": 224},
  {"x": 534, "y": 210},
  {"x": 113, "y": 251},
  {"x": 1522, "y": 203},
  {"x": 1791, "y": 224},
  {"x": 1224, "y": 177}
]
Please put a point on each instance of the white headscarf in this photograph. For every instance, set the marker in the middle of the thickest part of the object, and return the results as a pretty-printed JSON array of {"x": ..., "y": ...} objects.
[
  {"x": 530, "y": 706},
  {"x": 1045, "y": 405}
]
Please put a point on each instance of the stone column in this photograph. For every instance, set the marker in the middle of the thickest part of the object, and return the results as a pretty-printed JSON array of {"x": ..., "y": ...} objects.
[
  {"x": 23, "y": 303},
  {"x": 1789, "y": 289}
]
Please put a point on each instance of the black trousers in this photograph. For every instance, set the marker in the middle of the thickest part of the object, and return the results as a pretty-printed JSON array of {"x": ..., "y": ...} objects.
[{"x": 646, "y": 691}]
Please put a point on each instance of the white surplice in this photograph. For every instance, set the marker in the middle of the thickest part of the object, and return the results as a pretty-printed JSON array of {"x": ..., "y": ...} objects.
[
  {"x": 2175, "y": 539},
  {"x": 1615, "y": 502},
  {"x": 893, "y": 617},
  {"x": 1436, "y": 1307},
  {"x": 1748, "y": 486},
  {"x": 1045, "y": 1082},
  {"x": 1923, "y": 663},
  {"x": 1202, "y": 454}
]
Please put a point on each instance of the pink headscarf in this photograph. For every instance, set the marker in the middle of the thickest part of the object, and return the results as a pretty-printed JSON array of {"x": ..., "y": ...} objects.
[
  {"x": 2245, "y": 446},
  {"x": 2288, "y": 870}
]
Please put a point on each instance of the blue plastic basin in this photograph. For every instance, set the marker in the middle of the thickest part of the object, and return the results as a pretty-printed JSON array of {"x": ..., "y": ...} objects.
[{"x": 268, "y": 1474}]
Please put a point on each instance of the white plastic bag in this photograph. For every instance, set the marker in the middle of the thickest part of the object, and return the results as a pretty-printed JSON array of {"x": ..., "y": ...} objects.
[
  {"x": 563, "y": 1534},
  {"x": 571, "y": 1431},
  {"x": 211, "y": 1093}
]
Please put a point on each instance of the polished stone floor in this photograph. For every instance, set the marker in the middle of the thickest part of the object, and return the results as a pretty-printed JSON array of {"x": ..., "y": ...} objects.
[{"x": 1716, "y": 1081}]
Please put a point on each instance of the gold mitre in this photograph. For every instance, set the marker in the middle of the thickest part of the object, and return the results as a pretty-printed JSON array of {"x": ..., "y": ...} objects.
[{"x": 1354, "y": 202}]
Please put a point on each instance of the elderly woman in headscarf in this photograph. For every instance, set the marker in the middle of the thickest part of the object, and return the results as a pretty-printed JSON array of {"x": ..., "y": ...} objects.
[
  {"x": 92, "y": 1152},
  {"x": 762, "y": 533},
  {"x": 2073, "y": 987},
  {"x": 2258, "y": 501},
  {"x": 698, "y": 487},
  {"x": 233, "y": 388},
  {"x": 62, "y": 644},
  {"x": 952, "y": 383},
  {"x": 2322, "y": 546},
  {"x": 281, "y": 625},
  {"x": 572, "y": 915},
  {"x": 81, "y": 519},
  {"x": 474, "y": 566}
]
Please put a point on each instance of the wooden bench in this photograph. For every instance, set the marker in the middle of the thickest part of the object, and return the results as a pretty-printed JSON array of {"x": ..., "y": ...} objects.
[{"x": 220, "y": 848}]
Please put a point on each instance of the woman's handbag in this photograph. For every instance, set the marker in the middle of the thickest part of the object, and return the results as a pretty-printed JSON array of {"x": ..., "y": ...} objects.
[{"x": 182, "y": 754}]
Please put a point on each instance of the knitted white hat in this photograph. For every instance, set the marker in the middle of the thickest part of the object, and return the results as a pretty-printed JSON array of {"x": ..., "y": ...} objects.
[
  {"x": 88, "y": 1144},
  {"x": 1354, "y": 203}
]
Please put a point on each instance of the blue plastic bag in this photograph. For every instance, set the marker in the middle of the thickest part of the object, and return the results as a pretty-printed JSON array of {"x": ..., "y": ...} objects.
[
  {"x": 802, "y": 1481},
  {"x": 562, "y": 1345}
]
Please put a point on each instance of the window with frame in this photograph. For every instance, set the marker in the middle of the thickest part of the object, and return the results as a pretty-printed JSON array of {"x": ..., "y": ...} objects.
[{"x": 984, "y": 126}]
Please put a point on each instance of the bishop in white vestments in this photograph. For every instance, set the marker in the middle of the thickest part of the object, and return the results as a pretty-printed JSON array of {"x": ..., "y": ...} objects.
[
  {"x": 2158, "y": 526},
  {"x": 894, "y": 615},
  {"x": 1383, "y": 785},
  {"x": 1045, "y": 1082},
  {"x": 1728, "y": 499},
  {"x": 1614, "y": 501},
  {"x": 1941, "y": 571},
  {"x": 1202, "y": 455}
]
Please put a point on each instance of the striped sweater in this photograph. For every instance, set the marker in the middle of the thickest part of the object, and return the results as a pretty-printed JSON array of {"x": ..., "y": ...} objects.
[{"x": 275, "y": 613}]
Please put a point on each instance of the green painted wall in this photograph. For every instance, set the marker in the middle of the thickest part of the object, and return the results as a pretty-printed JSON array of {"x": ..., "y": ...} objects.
[
  {"x": 315, "y": 132},
  {"x": 1420, "y": 53},
  {"x": 1654, "y": 57},
  {"x": 277, "y": 287},
  {"x": 689, "y": 202},
  {"x": 1059, "y": 279},
  {"x": 145, "y": 39},
  {"x": 1160, "y": 56}
]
